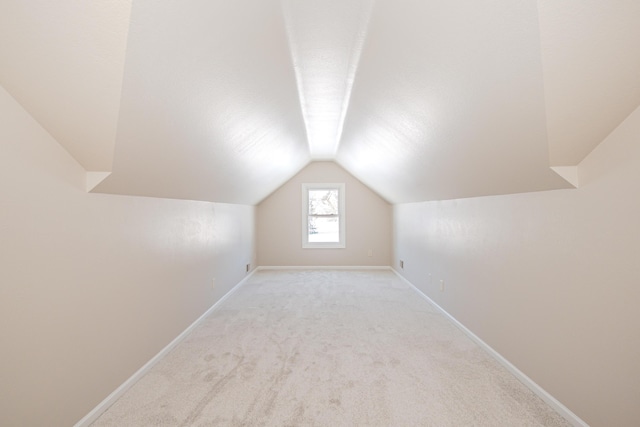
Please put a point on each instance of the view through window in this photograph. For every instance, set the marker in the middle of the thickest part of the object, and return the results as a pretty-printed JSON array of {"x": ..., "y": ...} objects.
[
  {"x": 324, "y": 225},
  {"x": 323, "y": 215}
]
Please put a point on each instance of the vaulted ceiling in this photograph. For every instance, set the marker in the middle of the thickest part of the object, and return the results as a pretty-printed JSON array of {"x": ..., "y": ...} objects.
[{"x": 419, "y": 99}]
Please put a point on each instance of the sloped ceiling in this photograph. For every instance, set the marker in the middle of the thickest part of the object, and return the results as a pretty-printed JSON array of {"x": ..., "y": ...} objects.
[{"x": 421, "y": 100}]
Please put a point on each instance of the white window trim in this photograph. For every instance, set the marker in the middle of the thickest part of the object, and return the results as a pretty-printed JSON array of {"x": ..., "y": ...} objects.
[{"x": 341, "y": 213}]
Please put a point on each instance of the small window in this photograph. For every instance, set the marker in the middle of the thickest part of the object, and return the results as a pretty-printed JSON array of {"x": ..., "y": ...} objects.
[{"x": 323, "y": 216}]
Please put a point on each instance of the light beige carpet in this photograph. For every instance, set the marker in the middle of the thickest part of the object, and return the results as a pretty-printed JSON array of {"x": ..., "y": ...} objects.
[{"x": 328, "y": 348}]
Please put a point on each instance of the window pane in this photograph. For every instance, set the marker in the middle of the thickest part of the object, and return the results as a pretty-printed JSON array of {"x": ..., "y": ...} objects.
[
  {"x": 323, "y": 202},
  {"x": 323, "y": 210},
  {"x": 324, "y": 230}
]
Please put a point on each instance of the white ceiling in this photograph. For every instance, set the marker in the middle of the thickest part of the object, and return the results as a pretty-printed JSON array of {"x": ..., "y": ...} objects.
[{"x": 421, "y": 100}]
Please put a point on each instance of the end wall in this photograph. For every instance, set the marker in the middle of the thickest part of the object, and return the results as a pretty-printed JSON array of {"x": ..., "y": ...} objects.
[
  {"x": 92, "y": 286},
  {"x": 550, "y": 280},
  {"x": 368, "y": 227}
]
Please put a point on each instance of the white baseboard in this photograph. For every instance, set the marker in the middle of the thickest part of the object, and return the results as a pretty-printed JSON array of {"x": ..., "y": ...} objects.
[
  {"x": 117, "y": 393},
  {"x": 324, "y": 267},
  {"x": 539, "y": 391}
]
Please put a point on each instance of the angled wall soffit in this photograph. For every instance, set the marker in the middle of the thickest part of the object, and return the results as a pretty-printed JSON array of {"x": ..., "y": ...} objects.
[
  {"x": 591, "y": 81},
  {"x": 64, "y": 64},
  {"x": 569, "y": 173}
]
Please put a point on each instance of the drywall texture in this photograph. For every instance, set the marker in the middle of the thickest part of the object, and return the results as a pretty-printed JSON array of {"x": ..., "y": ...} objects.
[
  {"x": 93, "y": 286},
  {"x": 550, "y": 280},
  {"x": 368, "y": 226}
]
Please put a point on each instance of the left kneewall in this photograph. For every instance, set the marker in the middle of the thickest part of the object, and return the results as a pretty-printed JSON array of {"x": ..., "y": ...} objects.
[{"x": 92, "y": 286}]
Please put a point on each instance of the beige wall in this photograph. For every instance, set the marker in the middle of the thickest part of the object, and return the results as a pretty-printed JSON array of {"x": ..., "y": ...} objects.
[
  {"x": 92, "y": 286},
  {"x": 279, "y": 223},
  {"x": 550, "y": 280}
]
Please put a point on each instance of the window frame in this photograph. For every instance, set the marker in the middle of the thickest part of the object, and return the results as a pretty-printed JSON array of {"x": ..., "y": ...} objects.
[{"x": 341, "y": 244}]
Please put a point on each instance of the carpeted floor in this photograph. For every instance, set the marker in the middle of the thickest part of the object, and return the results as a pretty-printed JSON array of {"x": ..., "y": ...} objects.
[{"x": 328, "y": 348}]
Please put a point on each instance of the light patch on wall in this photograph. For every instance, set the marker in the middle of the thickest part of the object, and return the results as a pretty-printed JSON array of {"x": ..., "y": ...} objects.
[{"x": 172, "y": 232}]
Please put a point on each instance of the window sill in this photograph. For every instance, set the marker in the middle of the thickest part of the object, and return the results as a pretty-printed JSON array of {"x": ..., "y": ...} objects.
[{"x": 323, "y": 246}]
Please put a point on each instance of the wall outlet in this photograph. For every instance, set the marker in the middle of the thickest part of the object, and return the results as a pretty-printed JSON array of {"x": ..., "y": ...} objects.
[
  {"x": 401, "y": 264},
  {"x": 213, "y": 283},
  {"x": 370, "y": 253},
  {"x": 248, "y": 267},
  {"x": 441, "y": 285}
]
